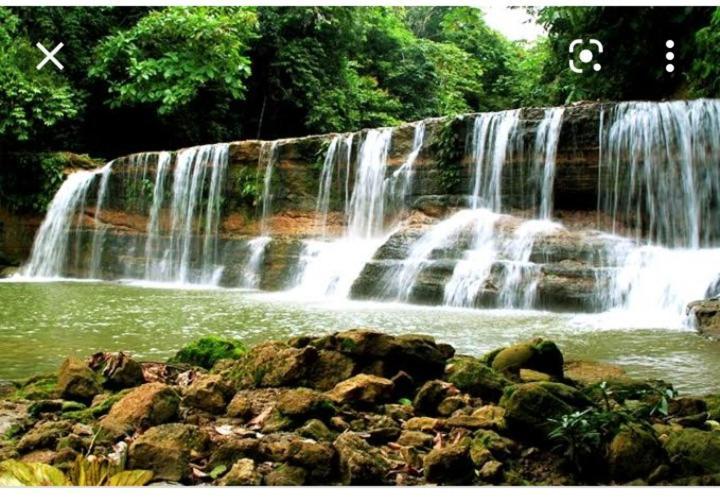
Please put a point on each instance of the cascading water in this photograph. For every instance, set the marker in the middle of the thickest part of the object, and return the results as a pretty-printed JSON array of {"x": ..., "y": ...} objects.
[
  {"x": 49, "y": 251},
  {"x": 399, "y": 183},
  {"x": 154, "y": 252},
  {"x": 255, "y": 254},
  {"x": 267, "y": 159},
  {"x": 491, "y": 135},
  {"x": 660, "y": 180},
  {"x": 329, "y": 268},
  {"x": 546, "y": 141},
  {"x": 100, "y": 230},
  {"x": 189, "y": 260},
  {"x": 322, "y": 205}
]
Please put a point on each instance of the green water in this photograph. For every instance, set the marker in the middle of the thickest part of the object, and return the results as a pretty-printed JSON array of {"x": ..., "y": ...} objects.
[{"x": 41, "y": 323}]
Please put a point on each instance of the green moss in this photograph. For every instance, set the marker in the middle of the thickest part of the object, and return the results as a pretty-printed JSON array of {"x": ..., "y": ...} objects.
[
  {"x": 713, "y": 406},
  {"x": 206, "y": 351},
  {"x": 94, "y": 412},
  {"x": 448, "y": 149},
  {"x": 38, "y": 387}
]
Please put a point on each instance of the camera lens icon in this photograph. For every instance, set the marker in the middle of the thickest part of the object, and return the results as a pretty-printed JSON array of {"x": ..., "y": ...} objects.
[{"x": 586, "y": 56}]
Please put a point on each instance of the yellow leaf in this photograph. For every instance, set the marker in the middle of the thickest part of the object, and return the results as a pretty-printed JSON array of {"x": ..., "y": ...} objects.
[
  {"x": 131, "y": 478},
  {"x": 16, "y": 473}
]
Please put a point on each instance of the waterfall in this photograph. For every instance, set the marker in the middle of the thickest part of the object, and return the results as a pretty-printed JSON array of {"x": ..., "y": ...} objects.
[
  {"x": 546, "y": 141},
  {"x": 266, "y": 161},
  {"x": 255, "y": 254},
  {"x": 366, "y": 219},
  {"x": 99, "y": 234},
  {"x": 521, "y": 275},
  {"x": 471, "y": 273},
  {"x": 660, "y": 181},
  {"x": 322, "y": 205},
  {"x": 399, "y": 183},
  {"x": 49, "y": 251},
  {"x": 491, "y": 135},
  {"x": 401, "y": 280},
  {"x": 190, "y": 172},
  {"x": 153, "y": 250}
]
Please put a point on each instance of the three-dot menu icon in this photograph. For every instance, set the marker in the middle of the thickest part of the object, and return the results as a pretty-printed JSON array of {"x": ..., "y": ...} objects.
[{"x": 669, "y": 56}]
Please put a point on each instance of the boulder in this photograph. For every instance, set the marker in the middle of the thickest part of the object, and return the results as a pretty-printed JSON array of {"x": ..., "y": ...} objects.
[
  {"x": 431, "y": 394},
  {"x": 449, "y": 465},
  {"x": 44, "y": 435},
  {"x": 418, "y": 355},
  {"x": 250, "y": 403},
  {"x": 500, "y": 446},
  {"x": 529, "y": 407},
  {"x": 359, "y": 463},
  {"x": 167, "y": 450},
  {"x": 304, "y": 403},
  {"x": 493, "y": 415},
  {"x": 286, "y": 475},
  {"x": 634, "y": 453},
  {"x": 362, "y": 389},
  {"x": 118, "y": 370},
  {"x": 317, "y": 458},
  {"x": 77, "y": 382},
  {"x": 491, "y": 471},
  {"x": 317, "y": 430},
  {"x": 329, "y": 369},
  {"x": 209, "y": 393},
  {"x": 274, "y": 364},
  {"x": 423, "y": 424},
  {"x": 539, "y": 355},
  {"x": 694, "y": 451},
  {"x": 145, "y": 406},
  {"x": 230, "y": 449},
  {"x": 416, "y": 439},
  {"x": 592, "y": 372},
  {"x": 242, "y": 473},
  {"x": 476, "y": 378}
]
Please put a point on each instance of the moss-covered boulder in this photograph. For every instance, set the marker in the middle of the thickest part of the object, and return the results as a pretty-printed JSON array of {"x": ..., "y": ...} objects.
[
  {"x": 329, "y": 369},
  {"x": 529, "y": 407},
  {"x": 145, "y": 406},
  {"x": 539, "y": 355},
  {"x": 634, "y": 453},
  {"x": 208, "y": 350},
  {"x": 272, "y": 364},
  {"x": 208, "y": 393},
  {"x": 362, "y": 390},
  {"x": 360, "y": 463},
  {"x": 304, "y": 403},
  {"x": 44, "y": 435},
  {"x": 77, "y": 382},
  {"x": 476, "y": 378},
  {"x": 431, "y": 394},
  {"x": 713, "y": 406},
  {"x": 449, "y": 465},
  {"x": 167, "y": 450},
  {"x": 242, "y": 473},
  {"x": 694, "y": 451}
]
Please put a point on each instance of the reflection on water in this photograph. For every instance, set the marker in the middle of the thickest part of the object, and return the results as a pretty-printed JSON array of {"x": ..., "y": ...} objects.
[{"x": 41, "y": 323}]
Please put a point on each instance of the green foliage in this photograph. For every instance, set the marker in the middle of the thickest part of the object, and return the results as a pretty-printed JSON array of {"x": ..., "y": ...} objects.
[
  {"x": 448, "y": 150},
  {"x": 172, "y": 55},
  {"x": 206, "y": 351},
  {"x": 705, "y": 71},
  {"x": 33, "y": 100}
]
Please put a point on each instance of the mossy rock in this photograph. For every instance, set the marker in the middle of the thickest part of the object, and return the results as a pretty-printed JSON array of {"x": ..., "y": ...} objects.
[
  {"x": 713, "y": 406},
  {"x": 96, "y": 410},
  {"x": 37, "y": 388},
  {"x": 472, "y": 376},
  {"x": 539, "y": 355},
  {"x": 208, "y": 350},
  {"x": 530, "y": 407},
  {"x": 694, "y": 451},
  {"x": 77, "y": 382},
  {"x": 634, "y": 453}
]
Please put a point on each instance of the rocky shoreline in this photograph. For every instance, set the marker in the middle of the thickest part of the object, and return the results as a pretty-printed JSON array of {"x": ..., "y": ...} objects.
[{"x": 357, "y": 407}]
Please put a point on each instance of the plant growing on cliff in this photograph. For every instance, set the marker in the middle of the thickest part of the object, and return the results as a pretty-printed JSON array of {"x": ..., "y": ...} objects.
[{"x": 449, "y": 148}]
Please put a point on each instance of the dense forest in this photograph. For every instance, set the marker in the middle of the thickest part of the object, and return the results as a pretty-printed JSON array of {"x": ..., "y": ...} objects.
[{"x": 160, "y": 78}]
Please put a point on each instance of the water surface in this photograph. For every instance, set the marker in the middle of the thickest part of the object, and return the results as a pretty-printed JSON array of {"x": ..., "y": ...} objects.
[{"x": 43, "y": 322}]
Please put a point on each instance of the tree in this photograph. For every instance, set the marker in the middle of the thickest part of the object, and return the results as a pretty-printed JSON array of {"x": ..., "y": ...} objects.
[
  {"x": 33, "y": 100},
  {"x": 173, "y": 55}
]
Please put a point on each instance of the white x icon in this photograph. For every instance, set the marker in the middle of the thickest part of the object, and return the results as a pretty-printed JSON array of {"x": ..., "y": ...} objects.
[{"x": 50, "y": 56}]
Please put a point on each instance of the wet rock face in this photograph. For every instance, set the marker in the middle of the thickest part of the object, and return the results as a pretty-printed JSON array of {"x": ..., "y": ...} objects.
[{"x": 706, "y": 314}]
